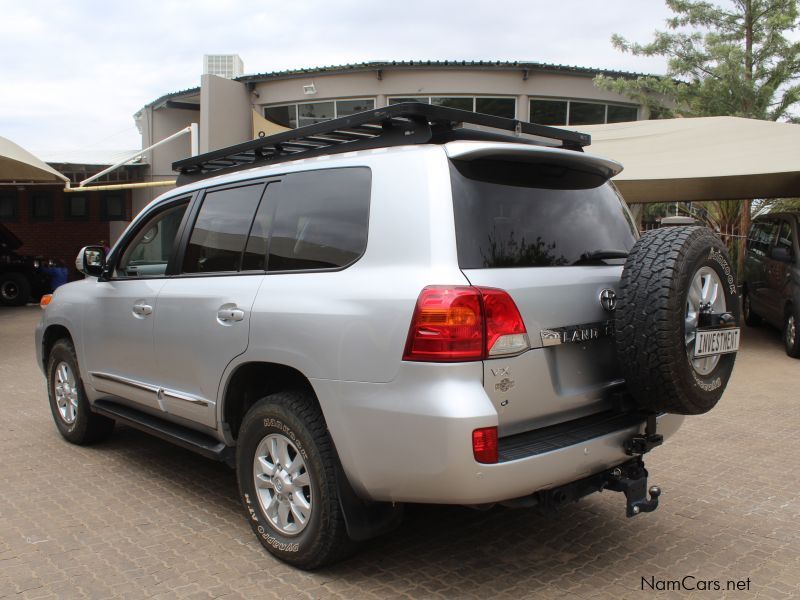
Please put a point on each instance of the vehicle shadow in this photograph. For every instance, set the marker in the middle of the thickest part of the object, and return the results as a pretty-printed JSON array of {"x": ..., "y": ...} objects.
[{"x": 449, "y": 550}]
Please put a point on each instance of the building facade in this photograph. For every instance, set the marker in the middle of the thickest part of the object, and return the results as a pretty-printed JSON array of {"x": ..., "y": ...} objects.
[{"x": 231, "y": 111}]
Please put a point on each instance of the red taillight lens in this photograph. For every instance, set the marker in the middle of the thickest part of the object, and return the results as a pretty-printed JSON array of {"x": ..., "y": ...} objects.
[
  {"x": 447, "y": 326},
  {"x": 459, "y": 323},
  {"x": 484, "y": 445},
  {"x": 505, "y": 331}
]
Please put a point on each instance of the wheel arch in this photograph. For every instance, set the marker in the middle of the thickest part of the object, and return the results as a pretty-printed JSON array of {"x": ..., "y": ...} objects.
[
  {"x": 250, "y": 382},
  {"x": 51, "y": 335}
]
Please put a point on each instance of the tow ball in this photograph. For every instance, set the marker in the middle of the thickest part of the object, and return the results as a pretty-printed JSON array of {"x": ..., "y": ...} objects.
[{"x": 631, "y": 480}]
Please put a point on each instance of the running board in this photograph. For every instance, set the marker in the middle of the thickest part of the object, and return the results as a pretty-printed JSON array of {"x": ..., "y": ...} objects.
[{"x": 179, "y": 435}]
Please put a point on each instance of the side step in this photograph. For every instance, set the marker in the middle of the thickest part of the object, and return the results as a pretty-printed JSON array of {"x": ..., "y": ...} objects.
[{"x": 179, "y": 435}]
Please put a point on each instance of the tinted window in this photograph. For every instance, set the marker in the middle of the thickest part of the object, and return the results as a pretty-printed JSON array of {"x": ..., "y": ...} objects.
[
  {"x": 549, "y": 112},
  {"x": 40, "y": 206},
  {"x": 499, "y": 107},
  {"x": 619, "y": 114},
  {"x": 762, "y": 234},
  {"x": 586, "y": 113},
  {"x": 220, "y": 232},
  {"x": 462, "y": 103},
  {"x": 517, "y": 215},
  {"x": 321, "y": 220},
  {"x": 255, "y": 253},
  {"x": 785, "y": 236},
  {"x": 148, "y": 253}
]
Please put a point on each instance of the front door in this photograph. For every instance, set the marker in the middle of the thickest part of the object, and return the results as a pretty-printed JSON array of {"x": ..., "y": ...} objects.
[
  {"x": 203, "y": 317},
  {"x": 121, "y": 314}
]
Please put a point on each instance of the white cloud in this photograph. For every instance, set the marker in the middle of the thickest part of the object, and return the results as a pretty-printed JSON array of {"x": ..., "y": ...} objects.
[{"x": 74, "y": 73}]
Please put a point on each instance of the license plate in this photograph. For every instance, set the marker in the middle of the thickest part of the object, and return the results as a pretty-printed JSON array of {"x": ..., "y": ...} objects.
[{"x": 712, "y": 342}]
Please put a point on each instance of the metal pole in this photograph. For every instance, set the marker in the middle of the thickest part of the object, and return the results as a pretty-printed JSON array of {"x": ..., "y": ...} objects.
[{"x": 132, "y": 156}]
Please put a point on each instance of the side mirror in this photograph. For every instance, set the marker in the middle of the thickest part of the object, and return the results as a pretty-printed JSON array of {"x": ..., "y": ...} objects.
[
  {"x": 781, "y": 254},
  {"x": 91, "y": 260}
]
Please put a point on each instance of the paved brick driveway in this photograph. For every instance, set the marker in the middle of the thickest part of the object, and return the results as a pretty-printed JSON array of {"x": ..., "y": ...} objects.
[{"x": 137, "y": 517}]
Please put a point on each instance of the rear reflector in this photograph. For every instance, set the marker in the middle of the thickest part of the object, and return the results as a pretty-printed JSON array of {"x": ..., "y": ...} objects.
[
  {"x": 484, "y": 445},
  {"x": 461, "y": 323}
]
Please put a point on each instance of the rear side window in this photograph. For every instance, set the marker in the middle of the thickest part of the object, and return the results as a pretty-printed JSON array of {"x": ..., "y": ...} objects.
[
  {"x": 221, "y": 229},
  {"x": 785, "y": 236},
  {"x": 762, "y": 234},
  {"x": 321, "y": 220},
  {"x": 525, "y": 215}
]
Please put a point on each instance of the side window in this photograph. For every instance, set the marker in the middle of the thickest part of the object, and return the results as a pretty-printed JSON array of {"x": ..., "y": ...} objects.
[
  {"x": 321, "y": 220},
  {"x": 785, "y": 236},
  {"x": 220, "y": 231},
  {"x": 149, "y": 251},
  {"x": 761, "y": 236}
]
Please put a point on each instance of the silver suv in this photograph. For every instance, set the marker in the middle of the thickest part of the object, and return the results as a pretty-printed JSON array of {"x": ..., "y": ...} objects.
[{"x": 396, "y": 307}]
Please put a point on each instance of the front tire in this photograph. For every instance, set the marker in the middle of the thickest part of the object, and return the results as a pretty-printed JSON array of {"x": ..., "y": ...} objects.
[
  {"x": 286, "y": 469},
  {"x": 68, "y": 403},
  {"x": 791, "y": 332}
]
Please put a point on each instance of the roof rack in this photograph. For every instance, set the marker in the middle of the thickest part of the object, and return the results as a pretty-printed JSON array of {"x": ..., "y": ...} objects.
[{"x": 395, "y": 125}]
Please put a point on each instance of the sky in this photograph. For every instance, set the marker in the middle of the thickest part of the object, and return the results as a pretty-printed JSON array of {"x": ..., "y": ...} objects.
[{"x": 74, "y": 73}]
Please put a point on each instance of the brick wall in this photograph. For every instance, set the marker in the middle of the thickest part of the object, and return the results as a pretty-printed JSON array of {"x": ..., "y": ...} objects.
[{"x": 59, "y": 237}]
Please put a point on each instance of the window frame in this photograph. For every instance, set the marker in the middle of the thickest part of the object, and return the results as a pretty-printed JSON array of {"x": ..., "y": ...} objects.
[
  {"x": 68, "y": 216},
  {"x": 297, "y": 104},
  {"x": 569, "y": 102},
  {"x": 13, "y": 196},
  {"x": 112, "y": 262},
  {"x": 32, "y": 197}
]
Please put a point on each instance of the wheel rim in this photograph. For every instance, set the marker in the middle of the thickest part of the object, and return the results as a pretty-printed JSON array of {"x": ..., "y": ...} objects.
[
  {"x": 705, "y": 294},
  {"x": 9, "y": 290},
  {"x": 283, "y": 484},
  {"x": 791, "y": 332},
  {"x": 66, "y": 391}
]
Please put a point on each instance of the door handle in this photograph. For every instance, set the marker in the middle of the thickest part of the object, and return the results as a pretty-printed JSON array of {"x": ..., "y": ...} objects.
[
  {"x": 230, "y": 314},
  {"x": 142, "y": 309}
]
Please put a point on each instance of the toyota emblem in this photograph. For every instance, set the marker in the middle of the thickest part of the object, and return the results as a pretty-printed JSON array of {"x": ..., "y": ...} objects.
[{"x": 608, "y": 300}]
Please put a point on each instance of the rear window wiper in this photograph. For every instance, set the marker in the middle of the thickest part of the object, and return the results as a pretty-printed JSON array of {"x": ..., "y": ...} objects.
[{"x": 599, "y": 255}]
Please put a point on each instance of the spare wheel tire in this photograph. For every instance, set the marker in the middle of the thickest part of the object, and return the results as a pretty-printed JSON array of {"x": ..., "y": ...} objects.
[{"x": 670, "y": 276}]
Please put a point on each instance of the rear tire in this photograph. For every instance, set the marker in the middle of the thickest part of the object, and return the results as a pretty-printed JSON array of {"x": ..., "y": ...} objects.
[
  {"x": 750, "y": 318},
  {"x": 15, "y": 290},
  {"x": 669, "y": 274},
  {"x": 791, "y": 332},
  {"x": 286, "y": 469},
  {"x": 71, "y": 411}
]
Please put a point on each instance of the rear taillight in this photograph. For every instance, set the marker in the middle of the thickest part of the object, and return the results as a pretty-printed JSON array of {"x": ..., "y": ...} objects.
[
  {"x": 484, "y": 445},
  {"x": 459, "y": 323},
  {"x": 447, "y": 326}
]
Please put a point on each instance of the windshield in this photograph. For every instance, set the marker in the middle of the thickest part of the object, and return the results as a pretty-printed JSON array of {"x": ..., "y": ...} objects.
[{"x": 531, "y": 221}]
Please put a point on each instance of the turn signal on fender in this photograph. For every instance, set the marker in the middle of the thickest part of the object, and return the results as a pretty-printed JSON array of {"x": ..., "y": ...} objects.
[{"x": 46, "y": 299}]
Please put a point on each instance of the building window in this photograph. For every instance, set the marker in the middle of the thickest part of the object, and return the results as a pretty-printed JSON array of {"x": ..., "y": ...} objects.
[
  {"x": 40, "y": 206},
  {"x": 586, "y": 113},
  {"x": 497, "y": 107},
  {"x": 620, "y": 114},
  {"x": 549, "y": 112},
  {"x": 8, "y": 205},
  {"x": 308, "y": 113},
  {"x": 576, "y": 112},
  {"x": 113, "y": 206},
  {"x": 76, "y": 207}
]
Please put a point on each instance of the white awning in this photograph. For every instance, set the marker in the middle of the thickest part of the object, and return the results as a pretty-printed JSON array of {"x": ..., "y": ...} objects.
[
  {"x": 708, "y": 158},
  {"x": 19, "y": 165}
]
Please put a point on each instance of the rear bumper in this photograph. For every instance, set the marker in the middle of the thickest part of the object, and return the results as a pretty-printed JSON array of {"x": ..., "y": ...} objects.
[{"x": 410, "y": 440}]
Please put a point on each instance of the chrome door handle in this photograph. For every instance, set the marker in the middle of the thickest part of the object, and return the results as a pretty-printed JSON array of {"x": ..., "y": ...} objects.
[
  {"x": 230, "y": 314},
  {"x": 142, "y": 309}
]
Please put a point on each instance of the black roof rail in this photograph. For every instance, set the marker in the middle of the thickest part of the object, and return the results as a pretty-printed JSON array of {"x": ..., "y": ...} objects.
[{"x": 395, "y": 125}]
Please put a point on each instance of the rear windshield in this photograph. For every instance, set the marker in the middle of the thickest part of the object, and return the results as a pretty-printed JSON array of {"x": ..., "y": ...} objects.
[{"x": 521, "y": 216}]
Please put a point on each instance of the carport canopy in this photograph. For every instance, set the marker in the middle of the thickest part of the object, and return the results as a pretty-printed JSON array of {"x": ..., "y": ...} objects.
[
  {"x": 705, "y": 158},
  {"x": 20, "y": 166}
]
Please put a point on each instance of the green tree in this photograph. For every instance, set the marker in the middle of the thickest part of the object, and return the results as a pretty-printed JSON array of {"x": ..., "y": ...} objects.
[{"x": 721, "y": 60}]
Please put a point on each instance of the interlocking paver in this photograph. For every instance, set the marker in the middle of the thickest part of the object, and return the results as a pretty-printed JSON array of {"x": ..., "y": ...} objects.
[{"x": 138, "y": 518}]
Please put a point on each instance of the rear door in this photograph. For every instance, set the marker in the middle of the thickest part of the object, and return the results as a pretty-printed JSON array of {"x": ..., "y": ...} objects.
[
  {"x": 778, "y": 273},
  {"x": 203, "y": 317},
  {"x": 757, "y": 263},
  {"x": 549, "y": 239}
]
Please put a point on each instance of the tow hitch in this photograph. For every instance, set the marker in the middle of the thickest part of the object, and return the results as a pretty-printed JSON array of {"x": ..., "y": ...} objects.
[{"x": 631, "y": 480}]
